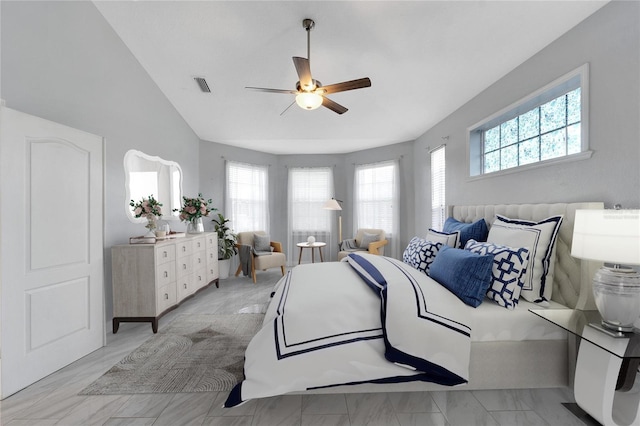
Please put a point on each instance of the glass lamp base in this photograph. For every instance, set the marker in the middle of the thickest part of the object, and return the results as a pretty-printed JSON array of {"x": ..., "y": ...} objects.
[{"x": 617, "y": 296}]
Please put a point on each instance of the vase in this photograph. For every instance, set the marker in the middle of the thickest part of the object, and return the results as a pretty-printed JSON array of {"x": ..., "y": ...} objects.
[
  {"x": 195, "y": 226},
  {"x": 223, "y": 268},
  {"x": 151, "y": 225}
]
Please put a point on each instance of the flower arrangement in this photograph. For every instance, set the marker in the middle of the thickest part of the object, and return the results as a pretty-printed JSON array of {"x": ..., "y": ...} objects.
[
  {"x": 226, "y": 238},
  {"x": 149, "y": 208},
  {"x": 193, "y": 208}
]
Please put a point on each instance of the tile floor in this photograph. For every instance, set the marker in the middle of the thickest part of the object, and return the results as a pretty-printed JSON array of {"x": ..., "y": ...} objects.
[{"x": 54, "y": 400}]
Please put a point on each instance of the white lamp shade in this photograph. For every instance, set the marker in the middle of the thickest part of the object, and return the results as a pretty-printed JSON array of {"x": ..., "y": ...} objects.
[
  {"x": 610, "y": 236},
  {"x": 308, "y": 100},
  {"x": 332, "y": 204}
]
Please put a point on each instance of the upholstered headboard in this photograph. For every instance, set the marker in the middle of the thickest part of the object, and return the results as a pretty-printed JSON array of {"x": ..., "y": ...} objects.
[{"x": 572, "y": 279}]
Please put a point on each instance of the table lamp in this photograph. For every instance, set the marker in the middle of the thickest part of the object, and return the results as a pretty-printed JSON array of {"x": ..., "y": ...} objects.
[
  {"x": 333, "y": 204},
  {"x": 612, "y": 237}
]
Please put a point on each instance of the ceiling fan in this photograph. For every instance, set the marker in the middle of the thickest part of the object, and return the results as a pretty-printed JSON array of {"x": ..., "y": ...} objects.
[{"x": 310, "y": 93}]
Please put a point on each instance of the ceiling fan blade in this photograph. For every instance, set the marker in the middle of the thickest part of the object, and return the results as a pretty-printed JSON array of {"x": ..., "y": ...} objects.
[
  {"x": 304, "y": 72},
  {"x": 263, "y": 89},
  {"x": 333, "y": 106},
  {"x": 347, "y": 85}
]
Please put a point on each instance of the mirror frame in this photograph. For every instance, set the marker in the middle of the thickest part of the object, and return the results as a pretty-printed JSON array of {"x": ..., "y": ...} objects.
[{"x": 126, "y": 162}]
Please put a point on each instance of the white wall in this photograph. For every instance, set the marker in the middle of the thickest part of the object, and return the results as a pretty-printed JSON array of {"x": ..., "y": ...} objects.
[
  {"x": 61, "y": 61},
  {"x": 609, "y": 41}
]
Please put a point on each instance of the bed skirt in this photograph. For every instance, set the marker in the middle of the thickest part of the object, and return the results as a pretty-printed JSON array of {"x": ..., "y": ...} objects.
[{"x": 494, "y": 365}]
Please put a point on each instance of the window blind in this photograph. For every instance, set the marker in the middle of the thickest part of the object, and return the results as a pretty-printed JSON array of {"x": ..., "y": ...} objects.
[
  {"x": 309, "y": 189},
  {"x": 438, "y": 205},
  {"x": 376, "y": 200},
  {"x": 247, "y": 196}
]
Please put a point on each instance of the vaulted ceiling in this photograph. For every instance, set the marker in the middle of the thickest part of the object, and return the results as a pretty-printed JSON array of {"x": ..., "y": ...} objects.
[{"x": 425, "y": 59}]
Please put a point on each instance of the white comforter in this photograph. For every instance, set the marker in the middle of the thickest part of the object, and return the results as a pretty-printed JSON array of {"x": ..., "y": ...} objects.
[{"x": 370, "y": 319}]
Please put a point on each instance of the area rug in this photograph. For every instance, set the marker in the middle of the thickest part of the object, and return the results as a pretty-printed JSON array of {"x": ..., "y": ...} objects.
[{"x": 194, "y": 353}]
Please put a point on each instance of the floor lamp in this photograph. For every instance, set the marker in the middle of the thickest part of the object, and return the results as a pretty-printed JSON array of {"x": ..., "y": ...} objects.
[{"x": 333, "y": 204}]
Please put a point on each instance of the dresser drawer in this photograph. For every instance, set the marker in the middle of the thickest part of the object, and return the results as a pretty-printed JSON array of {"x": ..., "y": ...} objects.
[
  {"x": 185, "y": 287},
  {"x": 165, "y": 253},
  {"x": 165, "y": 273},
  {"x": 199, "y": 244},
  {"x": 166, "y": 297},
  {"x": 184, "y": 266},
  {"x": 199, "y": 260},
  {"x": 200, "y": 278},
  {"x": 184, "y": 248},
  {"x": 212, "y": 267},
  {"x": 212, "y": 242}
]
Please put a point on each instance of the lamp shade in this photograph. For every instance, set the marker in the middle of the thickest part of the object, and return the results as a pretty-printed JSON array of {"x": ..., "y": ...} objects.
[
  {"x": 332, "y": 204},
  {"x": 308, "y": 100},
  {"x": 610, "y": 236}
]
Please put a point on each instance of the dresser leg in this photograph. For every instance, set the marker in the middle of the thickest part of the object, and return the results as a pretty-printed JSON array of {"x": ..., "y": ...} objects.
[
  {"x": 116, "y": 325},
  {"x": 154, "y": 325},
  {"x": 597, "y": 373}
]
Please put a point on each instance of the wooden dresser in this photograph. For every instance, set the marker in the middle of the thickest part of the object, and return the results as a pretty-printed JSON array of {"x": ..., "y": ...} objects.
[{"x": 151, "y": 279}]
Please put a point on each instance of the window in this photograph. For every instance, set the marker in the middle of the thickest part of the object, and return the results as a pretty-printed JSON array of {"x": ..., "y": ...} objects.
[
  {"x": 548, "y": 125},
  {"x": 438, "y": 188},
  {"x": 309, "y": 189},
  {"x": 247, "y": 201},
  {"x": 376, "y": 200}
]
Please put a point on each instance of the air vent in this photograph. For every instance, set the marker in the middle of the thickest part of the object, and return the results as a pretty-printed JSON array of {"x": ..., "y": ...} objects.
[{"x": 203, "y": 84}]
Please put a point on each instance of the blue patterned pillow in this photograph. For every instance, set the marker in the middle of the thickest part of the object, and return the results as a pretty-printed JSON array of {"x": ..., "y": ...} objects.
[
  {"x": 468, "y": 231},
  {"x": 420, "y": 254},
  {"x": 509, "y": 269},
  {"x": 465, "y": 274}
]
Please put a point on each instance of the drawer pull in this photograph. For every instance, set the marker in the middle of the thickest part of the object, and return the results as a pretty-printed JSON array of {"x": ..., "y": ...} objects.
[
  {"x": 184, "y": 248},
  {"x": 164, "y": 253},
  {"x": 166, "y": 296},
  {"x": 185, "y": 285},
  {"x": 198, "y": 244},
  {"x": 199, "y": 278},
  {"x": 166, "y": 274},
  {"x": 184, "y": 266},
  {"x": 199, "y": 260}
]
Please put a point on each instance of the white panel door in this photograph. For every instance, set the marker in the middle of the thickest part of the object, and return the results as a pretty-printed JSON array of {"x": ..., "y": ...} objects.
[{"x": 51, "y": 248}]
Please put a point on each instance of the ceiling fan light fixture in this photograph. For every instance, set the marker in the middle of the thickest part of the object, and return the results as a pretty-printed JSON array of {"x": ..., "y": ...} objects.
[{"x": 308, "y": 100}]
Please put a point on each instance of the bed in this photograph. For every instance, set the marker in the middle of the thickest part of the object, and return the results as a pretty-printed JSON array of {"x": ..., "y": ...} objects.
[{"x": 487, "y": 347}]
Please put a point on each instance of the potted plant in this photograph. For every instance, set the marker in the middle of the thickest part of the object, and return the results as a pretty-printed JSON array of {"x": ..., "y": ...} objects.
[
  {"x": 192, "y": 211},
  {"x": 226, "y": 244}
]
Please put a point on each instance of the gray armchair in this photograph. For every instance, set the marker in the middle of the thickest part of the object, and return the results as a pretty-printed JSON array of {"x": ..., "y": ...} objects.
[
  {"x": 260, "y": 261},
  {"x": 366, "y": 240}
]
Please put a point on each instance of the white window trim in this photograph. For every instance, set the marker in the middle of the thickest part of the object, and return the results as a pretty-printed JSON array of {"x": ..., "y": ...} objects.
[{"x": 540, "y": 96}]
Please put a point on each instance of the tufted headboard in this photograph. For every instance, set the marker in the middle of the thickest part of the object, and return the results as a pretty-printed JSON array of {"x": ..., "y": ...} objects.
[{"x": 572, "y": 280}]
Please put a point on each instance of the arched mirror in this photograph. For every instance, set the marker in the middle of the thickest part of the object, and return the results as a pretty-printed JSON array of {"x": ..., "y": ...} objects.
[{"x": 148, "y": 175}]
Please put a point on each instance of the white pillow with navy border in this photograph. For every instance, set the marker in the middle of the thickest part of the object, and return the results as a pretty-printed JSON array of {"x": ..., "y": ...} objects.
[
  {"x": 540, "y": 238},
  {"x": 451, "y": 239}
]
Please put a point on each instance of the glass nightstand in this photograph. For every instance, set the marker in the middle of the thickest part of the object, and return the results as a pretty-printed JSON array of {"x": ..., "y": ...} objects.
[{"x": 605, "y": 380}]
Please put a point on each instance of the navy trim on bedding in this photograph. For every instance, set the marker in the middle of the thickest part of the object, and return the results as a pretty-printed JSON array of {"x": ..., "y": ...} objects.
[
  {"x": 369, "y": 273},
  {"x": 420, "y": 377},
  {"x": 375, "y": 280},
  {"x": 285, "y": 348}
]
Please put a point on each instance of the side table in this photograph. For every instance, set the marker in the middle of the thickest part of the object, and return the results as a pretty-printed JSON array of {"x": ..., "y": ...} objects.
[
  {"x": 605, "y": 379},
  {"x": 317, "y": 245}
]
